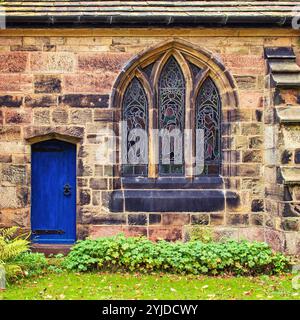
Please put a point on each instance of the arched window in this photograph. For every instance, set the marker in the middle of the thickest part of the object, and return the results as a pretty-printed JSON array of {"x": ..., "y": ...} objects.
[
  {"x": 171, "y": 106},
  {"x": 135, "y": 115},
  {"x": 208, "y": 119},
  {"x": 171, "y": 94}
]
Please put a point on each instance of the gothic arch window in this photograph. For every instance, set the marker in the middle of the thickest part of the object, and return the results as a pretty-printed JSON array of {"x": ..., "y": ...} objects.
[
  {"x": 135, "y": 115},
  {"x": 208, "y": 109},
  {"x": 171, "y": 108},
  {"x": 172, "y": 91}
]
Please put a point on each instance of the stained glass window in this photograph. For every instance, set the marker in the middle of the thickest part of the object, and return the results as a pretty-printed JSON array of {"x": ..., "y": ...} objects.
[
  {"x": 135, "y": 113},
  {"x": 195, "y": 69},
  {"x": 208, "y": 106},
  {"x": 171, "y": 105},
  {"x": 148, "y": 69}
]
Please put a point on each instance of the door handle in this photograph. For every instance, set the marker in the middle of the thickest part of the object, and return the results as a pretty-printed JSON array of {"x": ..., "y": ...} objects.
[{"x": 67, "y": 189}]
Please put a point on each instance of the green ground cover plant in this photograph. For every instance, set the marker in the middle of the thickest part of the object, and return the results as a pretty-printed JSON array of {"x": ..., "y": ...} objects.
[{"x": 194, "y": 257}]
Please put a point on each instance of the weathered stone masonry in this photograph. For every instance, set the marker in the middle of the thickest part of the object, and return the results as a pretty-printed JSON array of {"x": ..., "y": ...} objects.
[{"x": 58, "y": 85}]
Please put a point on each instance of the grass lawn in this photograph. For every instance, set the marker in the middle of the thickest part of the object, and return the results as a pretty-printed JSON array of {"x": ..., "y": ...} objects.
[{"x": 156, "y": 286}]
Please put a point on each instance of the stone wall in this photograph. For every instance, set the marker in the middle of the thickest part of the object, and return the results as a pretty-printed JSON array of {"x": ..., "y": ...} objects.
[{"x": 54, "y": 84}]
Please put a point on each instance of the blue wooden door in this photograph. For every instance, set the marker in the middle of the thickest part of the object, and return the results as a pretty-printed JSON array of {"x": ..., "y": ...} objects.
[{"x": 53, "y": 193}]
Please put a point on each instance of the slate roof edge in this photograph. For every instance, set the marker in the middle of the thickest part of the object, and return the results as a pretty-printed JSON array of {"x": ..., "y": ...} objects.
[{"x": 148, "y": 20}]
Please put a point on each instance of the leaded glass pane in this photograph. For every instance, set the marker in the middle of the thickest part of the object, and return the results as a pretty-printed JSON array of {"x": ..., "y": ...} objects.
[
  {"x": 208, "y": 107},
  {"x": 171, "y": 104},
  {"x": 135, "y": 113},
  {"x": 148, "y": 70},
  {"x": 195, "y": 69}
]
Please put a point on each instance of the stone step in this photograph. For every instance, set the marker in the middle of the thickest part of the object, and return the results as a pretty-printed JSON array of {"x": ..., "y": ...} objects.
[{"x": 48, "y": 249}]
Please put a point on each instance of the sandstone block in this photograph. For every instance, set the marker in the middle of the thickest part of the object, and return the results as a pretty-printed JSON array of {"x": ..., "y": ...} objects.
[
  {"x": 84, "y": 197},
  {"x": 98, "y": 183},
  {"x": 104, "y": 231},
  {"x": 216, "y": 219},
  {"x": 102, "y": 62},
  {"x": 47, "y": 84},
  {"x": 154, "y": 218},
  {"x": 81, "y": 116},
  {"x": 175, "y": 219},
  {"x": 103, "y": 115},
  {"x": 96, "y": 198},
  {"x": 17, "y": 117},
  {"x": 8, "y": 133},
  {"x": 8, "y": 197},
  {"x": 252, "y": 156},
  {"x": 89, "y": 83},
  {"x": 15, "y": 174},
  {"x": 10, "y": 101},
  {"x": 16, "y": 83},
  {"x": 60, "y": 116},
  {"x": 84, "y": 101},
  {"x": 246, "y": 82},
  {"x": 52, "y": 62},
  {"x": 237, "y": 219},
  {"x": 41, "y": 117},
  {"x": 40, "y": 101},
  {"x": 167, "y": 233},
  {"x": 139, "y": 219},
  {"x": 13, "y": 62}
]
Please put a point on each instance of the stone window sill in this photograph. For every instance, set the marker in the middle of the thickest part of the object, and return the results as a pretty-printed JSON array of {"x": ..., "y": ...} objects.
[{"x": 202, "y": 194}]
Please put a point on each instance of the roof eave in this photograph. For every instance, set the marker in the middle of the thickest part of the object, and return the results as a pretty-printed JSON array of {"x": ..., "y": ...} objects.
[{"x": 147, "y": 20}]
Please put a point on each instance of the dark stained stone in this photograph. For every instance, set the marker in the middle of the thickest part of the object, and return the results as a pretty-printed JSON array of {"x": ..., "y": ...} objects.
[
  {"x": 85, "y": 197},
  {"x": 85, "y": 101},
  {"x": 290, "y": 210},
  {"x": 297, "y": 156},
  {"x": 237, "y": 219},
  {"x": 23, "y": 196},
  {"x": 286, "y": 156},
  {"x": 257, "y": 219},
  {"x": 232, "y": 199},
  {"x": 154, "y": 218},
  {"x": 137, "y": 219},
  {"x": 277, "y": 97},
  {"x": 257, "y": 205},
  {"x": 279, "y": 52},
  {"x": 290, "y": 224},
  {"x": 24, "y": 48},
  {"x": 10, "y": 101},
  {"x": 167, "y": 200},
  {"x": 4, "y": 158},
  {"x": 47, "y": 84},
  {"x": 201, "y": 219},
  {"x": 287, "y": 194},
  {"x": 255, "y": 142},
  {"x": 40, "y": 101},
  {"x": 258, "y": 115}
]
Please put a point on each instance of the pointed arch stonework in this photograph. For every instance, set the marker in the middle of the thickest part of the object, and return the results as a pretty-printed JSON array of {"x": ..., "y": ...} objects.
[{"x": 199, "y": 71}]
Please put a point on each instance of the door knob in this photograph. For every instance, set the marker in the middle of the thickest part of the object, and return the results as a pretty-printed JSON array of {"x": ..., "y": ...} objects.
[{"x": 67, "y": 189}]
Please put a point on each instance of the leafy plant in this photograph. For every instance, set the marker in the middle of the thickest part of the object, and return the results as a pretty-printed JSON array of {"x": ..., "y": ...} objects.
[
  {"x": 31, "y": 263},
  {"x": 194, "y": 257},
  {"x": 11, "y": 245}
]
